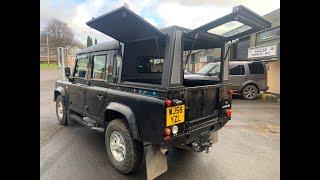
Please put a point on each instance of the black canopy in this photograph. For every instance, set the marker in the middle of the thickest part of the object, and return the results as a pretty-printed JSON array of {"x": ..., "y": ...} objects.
[{"x": 125, "y": 26}]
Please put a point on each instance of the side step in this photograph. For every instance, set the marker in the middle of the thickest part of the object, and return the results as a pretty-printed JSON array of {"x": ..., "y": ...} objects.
[{"x": 86, "y": 122}]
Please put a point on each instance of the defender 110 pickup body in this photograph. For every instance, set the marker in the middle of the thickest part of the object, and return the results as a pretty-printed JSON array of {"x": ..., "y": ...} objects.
[{"x": 133, "y": 88}]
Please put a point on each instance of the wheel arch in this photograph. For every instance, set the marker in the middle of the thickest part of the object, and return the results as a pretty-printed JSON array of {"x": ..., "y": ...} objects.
[
  {"x": 116, "y": 110},
  {"x": 59, "y": 91}
]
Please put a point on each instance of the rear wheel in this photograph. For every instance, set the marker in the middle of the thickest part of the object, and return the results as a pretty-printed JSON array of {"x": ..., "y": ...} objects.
[
  {"x": 124, "y": 152},
  {"x": 61, "y": 111},
  {"x": 250, "y": 92}
]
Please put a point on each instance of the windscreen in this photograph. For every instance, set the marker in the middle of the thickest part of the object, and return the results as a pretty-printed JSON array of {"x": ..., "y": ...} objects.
[{"x": 205, "y": 70}]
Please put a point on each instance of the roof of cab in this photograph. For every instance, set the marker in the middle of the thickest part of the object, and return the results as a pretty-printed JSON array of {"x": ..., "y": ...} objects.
[
  {"x": 113, "y": 44},
  {"x": 109, "y": 45}
]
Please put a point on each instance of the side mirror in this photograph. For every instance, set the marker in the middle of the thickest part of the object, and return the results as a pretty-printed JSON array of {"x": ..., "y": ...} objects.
[{"x": 67, "y": 72}]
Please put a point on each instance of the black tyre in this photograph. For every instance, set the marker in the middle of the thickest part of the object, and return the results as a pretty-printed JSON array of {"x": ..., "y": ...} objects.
[
  {"x": 61, "y": 111},
  {"x": 124, "y": 152},
  {"x": 249, "y": 92}
]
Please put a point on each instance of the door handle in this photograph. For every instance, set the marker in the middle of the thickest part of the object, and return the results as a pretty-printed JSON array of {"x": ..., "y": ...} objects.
[{"x": 81, "y": 91}]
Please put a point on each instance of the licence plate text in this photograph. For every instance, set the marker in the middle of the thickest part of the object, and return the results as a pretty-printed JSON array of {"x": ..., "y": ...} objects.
[{"x": 175, "y": 115}]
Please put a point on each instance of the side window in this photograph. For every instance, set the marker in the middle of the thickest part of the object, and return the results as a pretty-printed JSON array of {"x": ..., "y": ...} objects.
[
  {"x": 256, "y": 68},
  {"x": 99, "y": 66},
  {"x": 237, "y": 70},
  {"x": 81, "y": 69},
  {"x": 148, "y": 64}
]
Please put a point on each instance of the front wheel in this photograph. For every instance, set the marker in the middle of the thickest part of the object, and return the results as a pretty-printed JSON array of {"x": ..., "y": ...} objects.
[
  {"x": 249, "y": 92},
  {"x": 61, "y": 111},
  {"x": 124, "y": 152}
]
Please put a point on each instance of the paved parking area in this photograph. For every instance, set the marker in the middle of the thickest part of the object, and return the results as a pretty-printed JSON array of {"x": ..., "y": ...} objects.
[
  {"x": 248, "y": 147},
  {"x": 48, "y": 121}
]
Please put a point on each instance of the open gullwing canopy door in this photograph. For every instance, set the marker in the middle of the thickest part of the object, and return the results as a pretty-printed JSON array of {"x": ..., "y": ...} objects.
[
  {"x": 119, "y": 22},
  {"x": 241, "y": 22}
]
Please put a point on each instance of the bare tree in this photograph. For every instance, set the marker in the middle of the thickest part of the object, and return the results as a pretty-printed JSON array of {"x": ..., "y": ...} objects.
[
  {"x": 59, "y": 34},
  {"x": 77, "y": 44}
]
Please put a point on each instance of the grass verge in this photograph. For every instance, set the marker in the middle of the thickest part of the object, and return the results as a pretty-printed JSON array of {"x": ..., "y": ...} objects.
[{"x": 46, "y": 66}]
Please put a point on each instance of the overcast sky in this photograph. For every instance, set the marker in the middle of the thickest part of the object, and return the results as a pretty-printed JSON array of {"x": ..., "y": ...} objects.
[{"x": 186, "y": 13}]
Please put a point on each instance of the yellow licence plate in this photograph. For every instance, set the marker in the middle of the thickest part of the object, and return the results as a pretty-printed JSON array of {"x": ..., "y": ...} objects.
[{"x": 175, "y": 115}]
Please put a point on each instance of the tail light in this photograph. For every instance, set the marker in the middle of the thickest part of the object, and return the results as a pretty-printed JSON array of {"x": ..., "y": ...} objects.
[
  {"x": 167, "y": 131},
  {"x": 168, "y": 102},
  {"x": 229, "y": 112}
]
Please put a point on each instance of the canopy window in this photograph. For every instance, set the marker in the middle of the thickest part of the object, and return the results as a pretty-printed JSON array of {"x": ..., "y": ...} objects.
[{"x": 239, "y": 23}]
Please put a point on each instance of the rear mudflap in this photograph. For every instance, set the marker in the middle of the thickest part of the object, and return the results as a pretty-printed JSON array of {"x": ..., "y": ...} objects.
[{"x": 156, "y": 162}]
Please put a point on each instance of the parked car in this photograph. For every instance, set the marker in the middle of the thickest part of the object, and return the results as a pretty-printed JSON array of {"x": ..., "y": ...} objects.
[
  {"x": 247, "y": 78},
  {"x": 132, "y": 89}
]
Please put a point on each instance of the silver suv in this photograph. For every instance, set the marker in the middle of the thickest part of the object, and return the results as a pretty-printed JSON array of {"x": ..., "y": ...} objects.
[{"x": 246, "y": 78}]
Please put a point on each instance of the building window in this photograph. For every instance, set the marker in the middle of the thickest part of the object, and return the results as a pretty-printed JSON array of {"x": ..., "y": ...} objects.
[
  {"x": 256, "y": 68},
  {"x": 193, "y": 58},
  {"x": 237, "y": 70},
  {"x": 209, "y": 58},
  {"x": 269, "y": 34}
]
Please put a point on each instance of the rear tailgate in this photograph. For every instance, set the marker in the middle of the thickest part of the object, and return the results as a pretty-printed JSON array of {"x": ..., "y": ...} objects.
[
  {"x": 201, "y": 106},
  {"x": 201, "y": 103}
]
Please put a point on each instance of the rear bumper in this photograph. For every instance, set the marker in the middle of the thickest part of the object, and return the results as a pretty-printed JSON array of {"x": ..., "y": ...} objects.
[{"x": 200, "y": 133}]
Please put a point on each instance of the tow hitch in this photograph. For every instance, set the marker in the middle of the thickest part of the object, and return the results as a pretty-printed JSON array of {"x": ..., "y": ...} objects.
[
  {"x": 204, "y": 142},
  {"x": 198, "y": 147}
]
